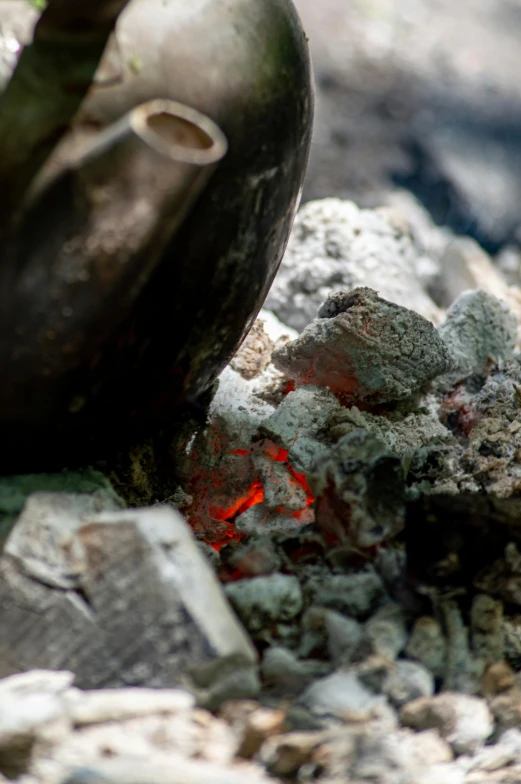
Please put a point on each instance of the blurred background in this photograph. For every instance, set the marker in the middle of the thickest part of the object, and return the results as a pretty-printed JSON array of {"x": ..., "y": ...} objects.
[{"x": 423, "y": 95}]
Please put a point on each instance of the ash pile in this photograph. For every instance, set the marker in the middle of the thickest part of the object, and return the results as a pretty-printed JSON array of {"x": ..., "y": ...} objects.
[{"x": 332, "y": 591}]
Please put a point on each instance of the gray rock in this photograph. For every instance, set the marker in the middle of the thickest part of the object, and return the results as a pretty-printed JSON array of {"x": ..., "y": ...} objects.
[
  {"x": 336, "y": 246},
  {"x": 408, "y": 681},
  {"x": 385, "y": 633},
  {"x": 282, "y": 670},
  {"x": 427, "y": 644},
  {"x": 355, "y": 594},
  {"x": 342, "y": 696},
  {"x": 486, "y": 624},
  {"x": 463, "y": 720},
  {"x": 360, "y": 491},
  {"x": 303, "y": 412},
  {"x": 262, "y": 600},
  {"x": 365, "y": 348},
  {"x": 147, "y": 609},
  {"x": 343, "y": 637},
  {"x": 478, "y": 328}
]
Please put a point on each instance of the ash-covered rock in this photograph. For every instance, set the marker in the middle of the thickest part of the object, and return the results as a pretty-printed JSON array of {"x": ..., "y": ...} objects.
[
  {"x": 479, "y": 329},
  {"x": 365, "y": 348},
  {"x": 335, "y": 246},
  {"x": 119, "y": 598},
  {"x": 360, "y": 490}
]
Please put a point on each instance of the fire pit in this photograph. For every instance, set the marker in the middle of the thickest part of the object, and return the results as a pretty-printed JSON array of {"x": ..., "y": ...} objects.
[{"x": 333, "y": 570}]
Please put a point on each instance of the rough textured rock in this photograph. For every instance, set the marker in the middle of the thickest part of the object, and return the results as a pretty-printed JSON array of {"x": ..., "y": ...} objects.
[
  {"x": 479, "y": 329},
  {"x": 137, "y": 604},
  {"x": 343, "y": 696},
  {"x": 365, "y": 348},
  {"x": 360, "y": 490},
  {"x": 335, "y": 246},
  {"x": 263, "y": 600},
  {"x": 464, "y": 721}
]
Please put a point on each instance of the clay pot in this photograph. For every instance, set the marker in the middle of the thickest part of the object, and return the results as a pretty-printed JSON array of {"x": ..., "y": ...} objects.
[{"x": 154, "y": 231}]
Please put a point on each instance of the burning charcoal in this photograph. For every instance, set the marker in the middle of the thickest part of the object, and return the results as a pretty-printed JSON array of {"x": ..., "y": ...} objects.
[
  {"x": 265, "y": 600},
  {"x": 479, "y": 328},
  {"x": 256, "y": 557},
  {"x": 136, "y": 598},
  {"x": 465, "y": 722},
  {"x": 303, "y": 413},
  {"x": 360, "y": 491},
  {"x": 259, "y": 519},
  {"x": 281, "y": 489},
  {"x": 335, "y": 246},
  {"x": 357, "y": 594},
  {"x": 408, "y": 681},
  {"x": 367, "y": 349},
  {"x": 214, "y": 463}
]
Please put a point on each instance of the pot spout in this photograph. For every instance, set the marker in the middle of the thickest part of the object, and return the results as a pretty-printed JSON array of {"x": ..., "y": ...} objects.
[{"x": 89, "y": 240}]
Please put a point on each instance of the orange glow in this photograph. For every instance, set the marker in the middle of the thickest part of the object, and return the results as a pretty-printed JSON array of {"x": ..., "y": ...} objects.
[{"x": 254, "y": 496}]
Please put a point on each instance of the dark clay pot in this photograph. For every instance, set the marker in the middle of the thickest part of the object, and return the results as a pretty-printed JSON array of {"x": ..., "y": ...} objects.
[{"x": 106, "y": 334}]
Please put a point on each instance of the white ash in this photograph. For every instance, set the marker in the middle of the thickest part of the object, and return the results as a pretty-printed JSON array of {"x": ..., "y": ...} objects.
[
  {"x": 365, "y": 348},
  {"x": 479, "y": 328},
  {"x": 335, "y": 246},
  {"x": 464, "y": 721},
  {"x": 342, "y": 696}
]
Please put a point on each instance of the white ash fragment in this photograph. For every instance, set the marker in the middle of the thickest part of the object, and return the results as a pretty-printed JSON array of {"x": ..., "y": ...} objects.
[
  {"x": 365, "y": 348},
  {"x": 103, "y": 705},
  {"x": 343, "y": 697},
  {"x": 360, "y": 491},
  {"x": 335, "y": 246},
  {"x": 303, "y": 413},
  {"x": 274, "y": 328},
  {"x": 506, "y": 751},
  {"x": 464, "y": 721},
  {"x": 31, "y": 710},
  {"x": 427, "y": 644},
  {"x": 263, "y": 600},
  {"x": 479, "y": 329},
  {"x": 407, "y": 681}
]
